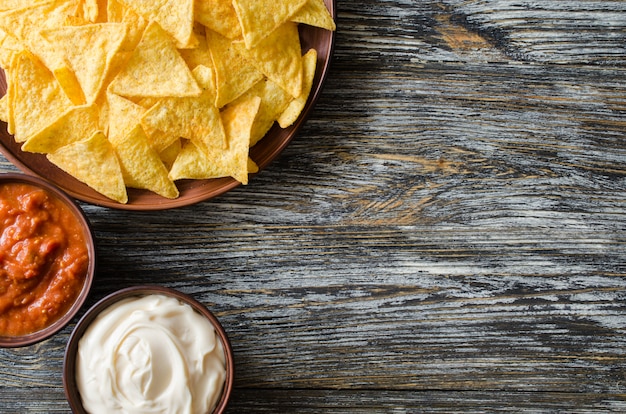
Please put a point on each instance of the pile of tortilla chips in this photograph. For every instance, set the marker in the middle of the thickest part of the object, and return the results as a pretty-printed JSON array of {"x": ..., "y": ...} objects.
[{"x": 139, "y": 94}]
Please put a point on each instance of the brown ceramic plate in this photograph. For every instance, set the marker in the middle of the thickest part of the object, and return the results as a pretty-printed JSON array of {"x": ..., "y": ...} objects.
[{"x": 191, "y": 191}]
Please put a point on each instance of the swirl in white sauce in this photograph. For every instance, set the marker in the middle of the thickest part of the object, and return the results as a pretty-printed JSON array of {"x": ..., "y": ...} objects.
[{"x": 150, "y": 354}]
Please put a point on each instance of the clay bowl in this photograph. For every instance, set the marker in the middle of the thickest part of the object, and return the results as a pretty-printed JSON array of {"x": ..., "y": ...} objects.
[
  {"x": 72, "y": 392},
  {"x": 56, "y": 324},
  {"x": 191, "y": 191}
]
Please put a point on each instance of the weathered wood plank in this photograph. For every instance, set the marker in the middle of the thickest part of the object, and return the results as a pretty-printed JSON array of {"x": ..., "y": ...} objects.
[
  {"x": 550, "y": 31},
  {"x": 446, "y": 234}
]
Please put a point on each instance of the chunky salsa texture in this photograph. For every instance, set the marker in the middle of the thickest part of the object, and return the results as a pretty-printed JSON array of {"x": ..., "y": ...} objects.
[{"x": 43, "y": 259}]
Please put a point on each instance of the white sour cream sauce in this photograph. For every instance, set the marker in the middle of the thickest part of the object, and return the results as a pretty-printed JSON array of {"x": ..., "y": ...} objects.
[{"x": 150, "y": 354}]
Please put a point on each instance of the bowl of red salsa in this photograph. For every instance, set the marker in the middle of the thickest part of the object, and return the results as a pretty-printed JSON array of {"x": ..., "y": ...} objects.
[{"x": 47, "y": 259}]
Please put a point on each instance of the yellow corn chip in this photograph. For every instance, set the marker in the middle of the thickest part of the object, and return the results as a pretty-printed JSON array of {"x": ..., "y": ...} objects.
[
  {"x": 274, "y": 100},
  {"x": 89, "y": 49},
  {"x": 219, "y": 16},
  {"x": 13, "y": 4},
  {"x": 234, "y": 74},
  {"x": 9, "y": 47},
  {"x": 194, "y": 118},
  {"x": 260, "y": 18},
  {"x": 279, "y": 57},
  {"x": 38, "y": 98},
  {"x": 77, "y": 124},
  {"x": 174, "y": 16},
  {"x": 168, "y": 154},
  {"x": 124, "y": 115},
  {"x": 25, "y": 23},
  {"x": 199, "y": 55},
  {"x": 315, "y": 13},
  {"x": 93, "y": 161},
  {"x": 141, "y": 165},
  {"x": 295, "y": 107},
  {"x": 4, "y": 108},
  {"x": 119, "y": 13},
  {"x": 10, "y": 95},
  {"x": 91, "y": 10},
  {"x": 252, "y": 167},
  {"x": 192, "y": 162},
  {"x": 155, "y": 69}
]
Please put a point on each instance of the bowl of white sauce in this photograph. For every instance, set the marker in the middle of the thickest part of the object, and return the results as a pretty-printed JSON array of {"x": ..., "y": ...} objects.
[{"x": 148, "y": 349}]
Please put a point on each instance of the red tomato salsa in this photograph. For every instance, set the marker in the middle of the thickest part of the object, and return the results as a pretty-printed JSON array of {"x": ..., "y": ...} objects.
[{"x": 43, "y": 259}]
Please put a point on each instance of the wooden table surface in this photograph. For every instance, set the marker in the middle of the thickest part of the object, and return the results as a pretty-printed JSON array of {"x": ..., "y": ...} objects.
[{"x": 447, "y": 233}]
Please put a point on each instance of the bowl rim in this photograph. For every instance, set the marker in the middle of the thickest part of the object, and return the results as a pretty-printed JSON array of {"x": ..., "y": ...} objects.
[
  {"x": 56, "y": 326},
  {"x": 69, "y": 358}
]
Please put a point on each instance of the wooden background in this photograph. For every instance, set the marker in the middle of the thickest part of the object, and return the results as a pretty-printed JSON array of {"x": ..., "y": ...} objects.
[{"x": 446, "y": 234}]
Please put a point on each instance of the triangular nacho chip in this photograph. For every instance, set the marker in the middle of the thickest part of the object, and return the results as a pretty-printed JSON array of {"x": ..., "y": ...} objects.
[
  {"x": 4, "y": 108},
  {"x": 234, "y": 74},
  {"x": 38, "y": 98},
  {"x": 295, "y": 107},
  {"x": 315, "y": 13},
  {"x": 199, "y": 55},
  {"x": 155, "y": 69},
  {"x": 141, "y": 165},
  {"x": 25, "y": 23},
  {"x": 77, "y": 124},
  {"x": 89, "y": 49},
  {"x": 174, "y": 16},
  {"x": 219, "y": 16},
  {"x": 124, "y": 115},
  {"x": 194, "y": 118},
  {"x": 192, "y": 162},
  {"x": 93, "y": 161},
  {"x": 259, "y": 19},
  {"x": 118, "y": 12},
  {"x": 274, "y": 100},
  {"x": 279, "y": 57},
  {"x": 9, "y": 47}
]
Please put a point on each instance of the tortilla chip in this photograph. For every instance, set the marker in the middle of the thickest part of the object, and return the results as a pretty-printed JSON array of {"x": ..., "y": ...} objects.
[
  {"x": 141, "y": 166},
  {"x": 259, "y": 18},
  {"x": 91, "y": 11},
  {"x": 194, "y": 118},
  {"x": 295, "y": 107},
  {"x": 123, "y": 114},
  {"x": 315, "y": 13},
  {"x": 38, "y": 98},
  {"x": 174, "y": 16},
  {"x": 274, "y": 100},
  {"x": 199, "y": 55},
  {"x": 219, "y": 16},
  {"x": 12, "y": 4},
  {"x": 25, "y": 23},
  {"x": 234, "y": 74},
  {"x": 9, "y": 47},
  {"x": 279, "y": 57},
  {"x": 192, "y": 162},
  {"x": 168, "y": 154},
  {"x": 93, "y": 161},
  {"x": 4, "y": 108},
  {"x": 135, "y": 24},
  {"x": 77, "y": 124},
  {"x": 10, "y": 95},
  {"x": 89, "y": 49},
  {"x": 155, "y": 69},
  {"x": 252, "y": 166}
]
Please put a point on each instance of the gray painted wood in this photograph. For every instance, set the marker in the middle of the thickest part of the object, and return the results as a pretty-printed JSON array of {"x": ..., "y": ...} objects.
[{"x": 446, "y": 234}]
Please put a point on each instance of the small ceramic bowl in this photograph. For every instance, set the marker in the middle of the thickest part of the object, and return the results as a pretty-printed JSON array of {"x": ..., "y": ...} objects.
[
  {"x": 70, "y": 363},
  {"x": 66, "y": 311}
]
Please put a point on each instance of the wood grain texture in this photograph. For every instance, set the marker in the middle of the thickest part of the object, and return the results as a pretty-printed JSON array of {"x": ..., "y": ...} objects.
[{"x": 446, "y": 234}]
